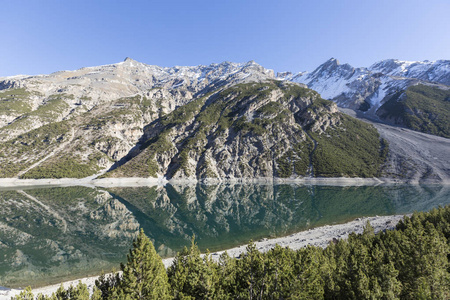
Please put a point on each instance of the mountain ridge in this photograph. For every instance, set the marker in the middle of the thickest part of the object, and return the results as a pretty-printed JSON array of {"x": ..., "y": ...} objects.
[
  {"x": 349, "y": 86},
  {"x": 78, "y": 123}
]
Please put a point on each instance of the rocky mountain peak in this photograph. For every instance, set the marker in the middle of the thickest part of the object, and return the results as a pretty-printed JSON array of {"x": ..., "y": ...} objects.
[
  {"x": 284, "y": 75},
  {"x": 252, "y": 66},
  {"x": 430, "y": 71},
  {"x": 331, "y": 62},
  {"x": 328, "y": 66},
  {"x": 330, "y": 69},
  {"x": 386, "y": 66}
]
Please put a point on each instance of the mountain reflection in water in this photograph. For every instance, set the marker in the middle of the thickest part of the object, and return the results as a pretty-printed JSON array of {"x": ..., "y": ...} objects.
[{"x": 52, "y": 234}]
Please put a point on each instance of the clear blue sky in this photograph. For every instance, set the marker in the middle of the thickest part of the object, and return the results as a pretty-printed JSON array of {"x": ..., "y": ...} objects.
[{"x": 43, "y": 36}]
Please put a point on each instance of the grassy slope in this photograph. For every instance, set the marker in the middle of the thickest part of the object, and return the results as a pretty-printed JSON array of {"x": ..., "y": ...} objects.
[
  {"x": 34, "y": 145},
  {"x": 353, "y": 149},
  {"x": 14, "y": 102},
  {"x": 20, "y": 152}
]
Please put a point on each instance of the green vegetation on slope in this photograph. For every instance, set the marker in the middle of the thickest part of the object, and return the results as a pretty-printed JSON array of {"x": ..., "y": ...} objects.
[
  {"x": 27, "y": 148},
  {"x": 351, "y": 149},
  {"x": 183, "y": 114},
  {"x": 14, "y": 102},
  {"x": 50, "y": 111},
  {"x": 410, "y": 262},
  {"x": 295, "y": 160},
  {"x": 422, "y": 108},
  {"x": 52, "y": 108},
  {"x": 67, "y": 166}
]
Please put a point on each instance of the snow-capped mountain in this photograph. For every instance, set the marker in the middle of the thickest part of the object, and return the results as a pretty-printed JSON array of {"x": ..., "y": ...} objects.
[
  {"x": 224, "y": 120},
  {"x": 435, "y": 71},
  {"x": 368, "y": 88},
  {"x": 132, "y": 77},
  {"x": 89, "y": 87},
  {"x": 227, "y": 120}
]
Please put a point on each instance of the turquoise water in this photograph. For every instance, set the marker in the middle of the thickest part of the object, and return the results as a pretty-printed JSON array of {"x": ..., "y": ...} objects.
[{"x": 48, "y": 235}]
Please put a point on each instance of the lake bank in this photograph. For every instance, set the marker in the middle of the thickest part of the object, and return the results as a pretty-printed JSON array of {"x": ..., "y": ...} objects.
[{"x": 140, "y": 182}]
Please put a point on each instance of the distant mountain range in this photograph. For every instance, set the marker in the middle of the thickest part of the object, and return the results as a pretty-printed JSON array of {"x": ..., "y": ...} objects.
[{"x": 222, "y": 121}]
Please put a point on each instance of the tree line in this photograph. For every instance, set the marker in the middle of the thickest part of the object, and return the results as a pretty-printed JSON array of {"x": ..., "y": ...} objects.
[{"x": 410, "y": 262}]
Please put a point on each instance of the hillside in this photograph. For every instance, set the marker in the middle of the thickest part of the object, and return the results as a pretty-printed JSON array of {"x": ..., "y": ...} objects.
[
  {"x": 224, "y": 121},
  {"x": 78, "y": 123},
  {"x": 411, "y": 94},
  {"x": 421, "y": 107},
  {"x": 256, "y": 130}
]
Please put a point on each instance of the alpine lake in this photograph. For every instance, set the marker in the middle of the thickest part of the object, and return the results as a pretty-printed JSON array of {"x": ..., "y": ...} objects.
[{"x": 53, "y": 234}]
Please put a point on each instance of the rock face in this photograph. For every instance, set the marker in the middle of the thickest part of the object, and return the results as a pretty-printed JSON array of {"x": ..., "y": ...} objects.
[{"x": 254, "y": 130}]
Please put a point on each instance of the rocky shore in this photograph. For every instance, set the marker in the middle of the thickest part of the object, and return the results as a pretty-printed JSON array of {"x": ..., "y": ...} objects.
[{"x": 151, "y": 181}]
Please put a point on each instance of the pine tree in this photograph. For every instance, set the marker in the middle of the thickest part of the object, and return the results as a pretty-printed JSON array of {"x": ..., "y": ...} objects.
[
  {"x": 61, "y": 294},
  {"x": 106, "y": 283},
  {"x": 26, "y": 294},
  {"x": 226, "y": 270},
  {"x": 144, "y": 275},
  {"x": 308, "y": 283},
  {"x": 192, "y": 277},
  {"x": 251, "y": 275},
  {"x": 79, "y": 292},
  {"x": 96, "y": 294},
  {"x": 42, "y": 297},
  {"x": 280, "y": 272}
]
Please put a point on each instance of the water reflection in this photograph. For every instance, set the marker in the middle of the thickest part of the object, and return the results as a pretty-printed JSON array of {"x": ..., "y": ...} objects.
[{"x": 51, "y": 234}]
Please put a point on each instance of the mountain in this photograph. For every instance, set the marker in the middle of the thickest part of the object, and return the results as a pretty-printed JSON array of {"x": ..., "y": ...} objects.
[
  {"x": 420, "y": 107},
  {"x": 369, "y": 89},
  {"x": 66, "y": 94},
  {"x": 227, "y": 121},
  {"x": 219, "y": 121},
  {"x": 81, "y": 122},
  {"x": 436, "y": 71},
  {"x": 256, "y": 130}
]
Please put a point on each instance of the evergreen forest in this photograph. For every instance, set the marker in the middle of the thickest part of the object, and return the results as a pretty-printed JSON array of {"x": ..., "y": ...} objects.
[{"x": 410, "y": 262}]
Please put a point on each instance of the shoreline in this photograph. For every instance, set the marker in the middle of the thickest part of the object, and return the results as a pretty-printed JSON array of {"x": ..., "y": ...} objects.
[
  {"x": 161, "y": 181},
  {"x": 319, "y": 236}
]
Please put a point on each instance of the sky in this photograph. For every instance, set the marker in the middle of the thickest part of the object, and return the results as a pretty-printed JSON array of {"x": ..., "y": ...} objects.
[{"x": 44, "y": 36}]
